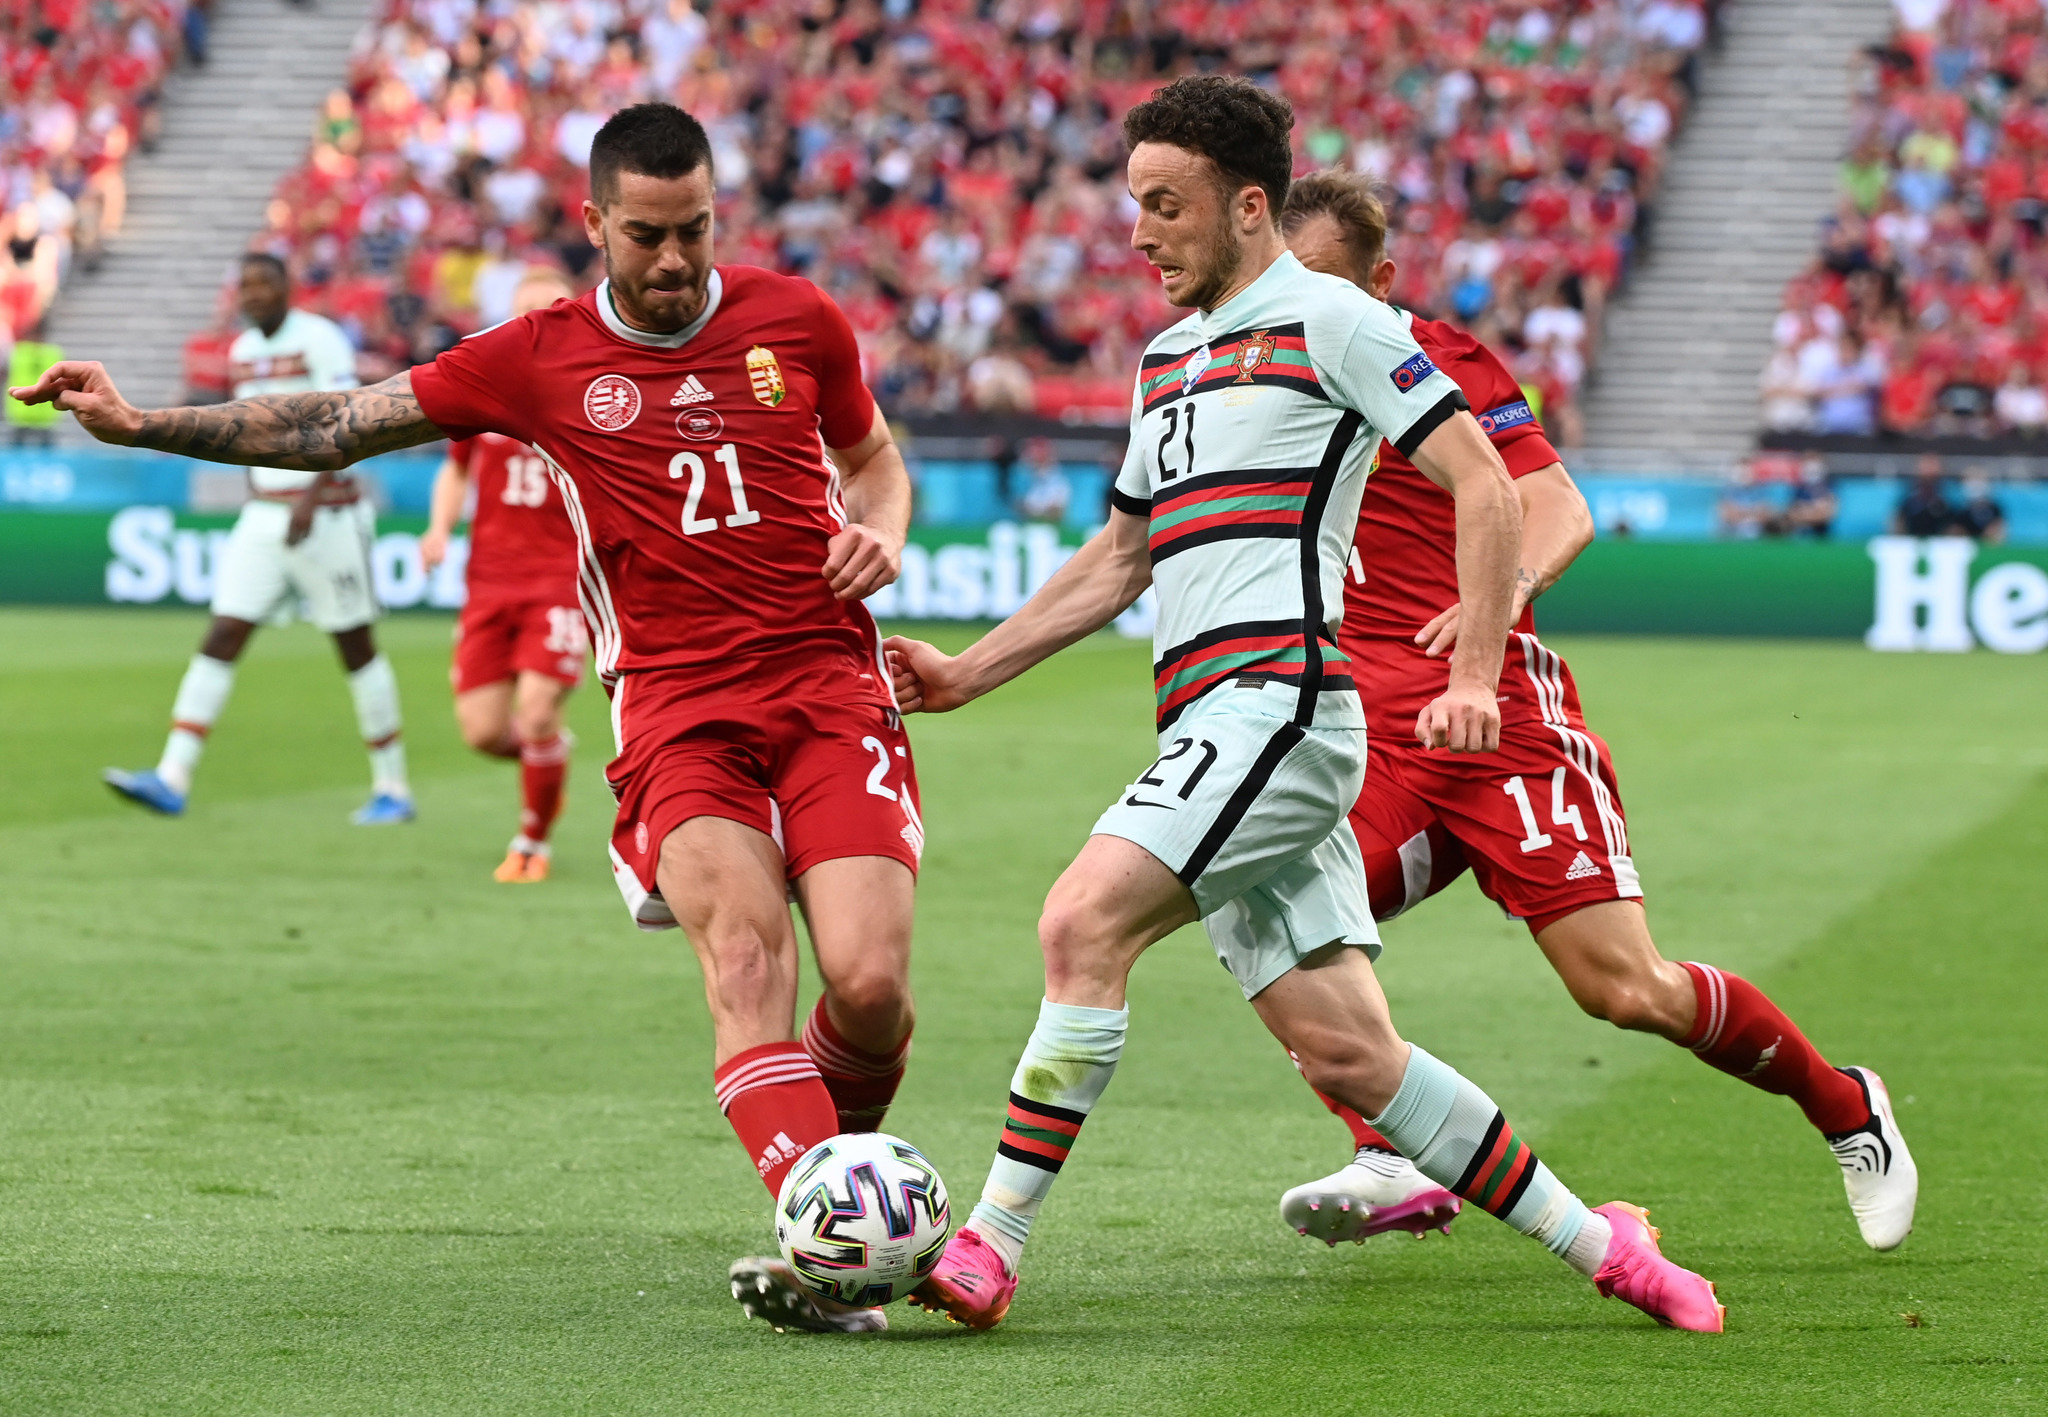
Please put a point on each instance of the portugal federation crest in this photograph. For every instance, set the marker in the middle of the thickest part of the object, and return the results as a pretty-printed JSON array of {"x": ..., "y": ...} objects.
[
  {"x": 764, "y": 376},
  {"x": 1254, "y": 353}
]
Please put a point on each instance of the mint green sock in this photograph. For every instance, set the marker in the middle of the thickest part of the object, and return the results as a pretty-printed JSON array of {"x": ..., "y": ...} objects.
[{"x": 1066, "y": 1064}]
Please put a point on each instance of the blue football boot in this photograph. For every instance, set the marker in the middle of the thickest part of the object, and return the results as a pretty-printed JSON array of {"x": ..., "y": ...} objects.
[
  {"x": 383, "y": 810},
  {"x": 147, "y": 788}
]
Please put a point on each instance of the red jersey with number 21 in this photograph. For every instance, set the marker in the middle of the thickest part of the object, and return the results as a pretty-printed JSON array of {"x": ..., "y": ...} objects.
[
  {"x": 521, "y": 546},
  {"x": 1404, "y": 565},
  {"x": 693, "y": 465}
]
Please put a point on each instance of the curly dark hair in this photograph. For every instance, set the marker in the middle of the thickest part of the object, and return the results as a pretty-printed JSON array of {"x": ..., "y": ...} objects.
[{"x": 1234, "y": 123}]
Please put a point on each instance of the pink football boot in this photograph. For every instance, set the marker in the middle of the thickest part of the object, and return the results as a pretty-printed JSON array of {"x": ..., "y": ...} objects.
[
  {"x": 1636, "y": 1272},
  {"x": 1379, "y": 1191},
  {"x": 970, "y": 1285}
]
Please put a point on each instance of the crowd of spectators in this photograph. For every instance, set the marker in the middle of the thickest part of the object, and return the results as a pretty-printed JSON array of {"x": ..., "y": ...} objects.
[
  {"x": 80, "y": 85},
  {"x": 1925, "y": 310},
  {"x": 951, "y": 170}
]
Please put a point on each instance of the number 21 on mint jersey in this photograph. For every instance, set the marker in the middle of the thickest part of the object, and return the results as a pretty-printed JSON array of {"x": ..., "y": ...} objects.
[
  {"x": 1180, "y": 418},
  {"x": 688, "y": 464}
]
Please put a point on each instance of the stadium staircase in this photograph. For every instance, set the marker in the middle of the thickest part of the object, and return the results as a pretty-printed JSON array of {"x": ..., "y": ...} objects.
[
  {"x": 1747, "y": 181},
  {"x": 231, "y": 129}
]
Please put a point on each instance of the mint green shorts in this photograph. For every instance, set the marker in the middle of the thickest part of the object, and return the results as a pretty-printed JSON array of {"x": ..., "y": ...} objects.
[{"x": 1249, "y": 810}]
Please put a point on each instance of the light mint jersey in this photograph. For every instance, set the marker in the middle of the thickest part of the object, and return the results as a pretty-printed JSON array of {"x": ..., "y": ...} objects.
[{"x": 1253, "y": 428}]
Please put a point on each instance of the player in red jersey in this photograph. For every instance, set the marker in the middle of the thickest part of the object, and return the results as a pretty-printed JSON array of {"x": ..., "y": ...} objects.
[
  {"x": 735, "y": 494},
  {"x": 520, "y": 642},
  {"x": 1539, "y": 823}
]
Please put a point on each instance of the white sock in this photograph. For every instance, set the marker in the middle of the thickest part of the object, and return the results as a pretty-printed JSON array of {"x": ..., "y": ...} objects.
[
  {"x": 375, "y": 690},
  {"x": 1588, "y": 1249},
  {"x": 202, "y": 693}
]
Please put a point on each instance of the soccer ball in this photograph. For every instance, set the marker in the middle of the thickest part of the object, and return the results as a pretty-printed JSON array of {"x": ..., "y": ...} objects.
[{"x": 862, "y": 1218}]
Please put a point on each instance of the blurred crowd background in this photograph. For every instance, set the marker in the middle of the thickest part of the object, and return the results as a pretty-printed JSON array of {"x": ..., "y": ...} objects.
[
  {"x": 80, "y": 84},
  {"x": 1925, "y": 309},
  {"x": 951, "y": 170}
]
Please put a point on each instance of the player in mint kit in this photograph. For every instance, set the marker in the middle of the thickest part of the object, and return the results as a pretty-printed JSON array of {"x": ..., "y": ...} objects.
[
  {"x": 303, "y": 535},
  {"x": 724, "y": 546},
  {"x": 1254, "y": 424},
  {"x": 1540, "y": 822}
]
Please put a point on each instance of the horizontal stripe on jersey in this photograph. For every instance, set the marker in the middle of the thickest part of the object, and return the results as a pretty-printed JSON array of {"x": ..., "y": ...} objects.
[
  {"x": 1276, "y": 355},
  {"x": 1270, "y": 647},
  {"x": 1223, "y": 505}
]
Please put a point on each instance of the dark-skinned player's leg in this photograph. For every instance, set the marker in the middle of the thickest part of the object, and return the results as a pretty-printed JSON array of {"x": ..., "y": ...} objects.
[
  {"x": 202, "y": 693},
  {"x": 373, "y": 685}
]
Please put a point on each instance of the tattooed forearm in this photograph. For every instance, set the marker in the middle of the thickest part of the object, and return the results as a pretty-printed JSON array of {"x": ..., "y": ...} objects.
[
  {"x": 1529, "y": 585},
  {"x": 313, "y": 432}
]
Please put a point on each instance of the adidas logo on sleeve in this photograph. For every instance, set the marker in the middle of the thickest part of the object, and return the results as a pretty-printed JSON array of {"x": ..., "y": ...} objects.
[{"x": 692, "y": 391}]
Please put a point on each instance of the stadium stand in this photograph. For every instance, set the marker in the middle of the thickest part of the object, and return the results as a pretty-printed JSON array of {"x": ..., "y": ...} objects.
[
  {"x": 1924, "y": 311},
  {"x": 952, "y": 171},
  {"x": 82, "y": 84}
]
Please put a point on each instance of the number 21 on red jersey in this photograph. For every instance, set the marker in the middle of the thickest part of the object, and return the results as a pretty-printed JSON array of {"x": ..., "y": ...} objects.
[{"x": 688, "y": 464}]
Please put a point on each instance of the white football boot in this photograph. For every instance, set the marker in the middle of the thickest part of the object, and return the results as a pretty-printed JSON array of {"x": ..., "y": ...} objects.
[
  {"x": 768, "y": 1289},
  {"x": 1377, "y": 1192},
  {"x": 1877, "y": 1170}
]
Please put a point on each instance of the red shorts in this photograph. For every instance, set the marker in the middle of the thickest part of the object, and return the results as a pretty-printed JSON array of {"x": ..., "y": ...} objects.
[
  {"x": 815, "y": 758},
  {"x": 496, "y": 640},
  {"x": 1539, "y": 823}
]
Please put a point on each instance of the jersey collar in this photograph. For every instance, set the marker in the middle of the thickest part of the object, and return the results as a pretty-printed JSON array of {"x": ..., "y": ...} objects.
[
  {"x": 612, "y": 322},
  {"x": 1219, "y": 320}
]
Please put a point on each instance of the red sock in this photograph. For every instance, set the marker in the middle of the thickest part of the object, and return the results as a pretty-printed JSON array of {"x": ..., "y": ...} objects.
[
  {"x": 1744, "y": 1034},
  {"x": 777, "y": 1103},
  {"x": 542, "y": 766},
  {"x": 1362, "y": 1132},
  {"x": 862, "y": 1084}
]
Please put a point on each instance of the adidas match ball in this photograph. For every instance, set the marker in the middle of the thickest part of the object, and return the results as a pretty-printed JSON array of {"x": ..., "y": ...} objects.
[{"x": 862, "y": 1218}]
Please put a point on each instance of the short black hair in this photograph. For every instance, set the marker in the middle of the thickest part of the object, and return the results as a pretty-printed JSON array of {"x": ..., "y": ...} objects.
[
  {"x": 652, "y": 139},
  {"x": 269, "y": 263},
  {"x": 1240, "y": 127}
]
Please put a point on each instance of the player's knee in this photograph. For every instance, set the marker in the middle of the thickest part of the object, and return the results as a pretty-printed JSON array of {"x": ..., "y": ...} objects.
[
  {"x": 536, "y": 717},
  {"x": 1071, "y": 935},
  {"x": 536, "y": 724},
  {"x": 871, "y": 1000},
  {"x": 483, "y": 734},
  {"x": 1364, "y": 1072},
  {"x": 1626, "y": 1003}
]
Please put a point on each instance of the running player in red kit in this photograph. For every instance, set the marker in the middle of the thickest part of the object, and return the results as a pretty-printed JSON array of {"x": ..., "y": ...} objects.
[
  {"x": 520, "y": 642},
  {"x": 1540, "y": 822},
  {"x": 735, "y": 494}
]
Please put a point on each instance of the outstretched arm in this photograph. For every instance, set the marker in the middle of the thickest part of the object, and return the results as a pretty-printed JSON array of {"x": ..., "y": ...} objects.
[
  {"x": 1092, "y": 589},
  {"x": 312, "y": 432}
]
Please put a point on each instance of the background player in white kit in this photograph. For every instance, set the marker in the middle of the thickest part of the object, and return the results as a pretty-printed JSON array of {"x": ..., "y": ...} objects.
[{"x": 301, "y": 535}]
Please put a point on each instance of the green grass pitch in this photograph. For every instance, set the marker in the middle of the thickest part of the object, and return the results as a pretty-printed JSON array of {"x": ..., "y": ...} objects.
[{"x": 302, "y": 1118}]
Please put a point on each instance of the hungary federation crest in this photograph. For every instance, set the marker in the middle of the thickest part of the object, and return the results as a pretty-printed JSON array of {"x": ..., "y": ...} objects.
[
  {"x": 611, "y": 402},
  {"x": 1254, "y": 352},
  {"x": 1197, "y": 365},
  {"x": 764, "y": 376}
]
